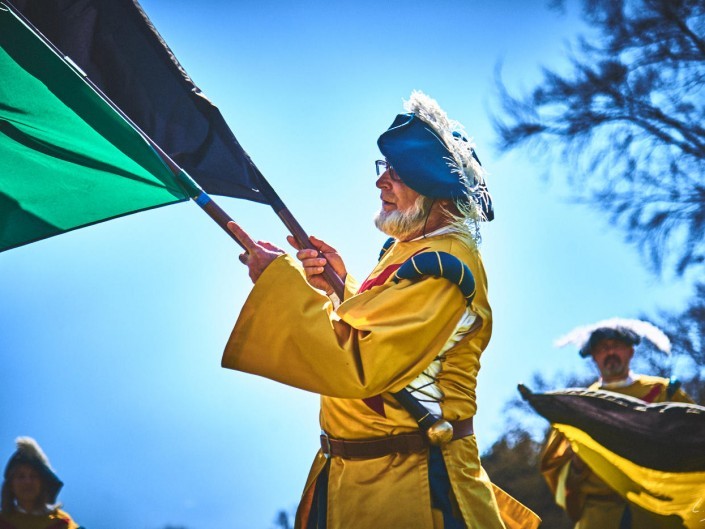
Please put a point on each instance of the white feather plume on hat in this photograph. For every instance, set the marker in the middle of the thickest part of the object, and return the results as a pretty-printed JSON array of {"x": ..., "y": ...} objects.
[
  {"x": 580, "y": 335},
  {"x": 30, "y": 449},
  {"x": 460, "y": 145}
]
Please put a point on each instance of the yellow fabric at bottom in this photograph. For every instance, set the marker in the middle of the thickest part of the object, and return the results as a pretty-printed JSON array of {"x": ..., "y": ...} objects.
[
  {"x": 56, "y": 519},
  {"x": 364, "y": 493},
  {"x": 469, "y": 479},
  {"x": 377, "y": 341},
  {"x": 607, "y": 514},
  {"x": 664, "y": 493},
  {"x": 515, "y": 514}
]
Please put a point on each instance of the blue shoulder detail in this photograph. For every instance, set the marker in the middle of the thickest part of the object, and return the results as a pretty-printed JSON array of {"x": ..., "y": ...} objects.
[
  {"x": 439, "y": 264},
  {"x": 673, "y": 385},
  {"x": 386, "y": 246}
]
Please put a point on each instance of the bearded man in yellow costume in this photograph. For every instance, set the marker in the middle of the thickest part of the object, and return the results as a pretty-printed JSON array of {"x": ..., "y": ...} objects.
[
  {"x": 578, "y": 489},
  {"x": 419, "y": 322}
]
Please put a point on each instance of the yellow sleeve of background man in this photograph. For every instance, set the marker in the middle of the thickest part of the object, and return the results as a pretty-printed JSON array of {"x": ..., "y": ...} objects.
[{"x": 374, "y": 342}]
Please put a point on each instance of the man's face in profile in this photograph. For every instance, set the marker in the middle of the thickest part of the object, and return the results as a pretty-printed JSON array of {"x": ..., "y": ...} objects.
[{"x": 403, "y": 210}]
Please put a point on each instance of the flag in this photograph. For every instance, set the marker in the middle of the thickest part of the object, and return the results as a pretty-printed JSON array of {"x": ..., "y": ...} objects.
[
  {"x": 651, "y": 454},
  {"x": 121, "y": 51},
  {"x": 68, "y": 159}
]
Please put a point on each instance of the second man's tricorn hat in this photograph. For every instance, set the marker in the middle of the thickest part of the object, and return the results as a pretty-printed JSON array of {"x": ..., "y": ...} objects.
[
  {"x": 628, "y": 331},
  {"x": 432, "y": 155}
]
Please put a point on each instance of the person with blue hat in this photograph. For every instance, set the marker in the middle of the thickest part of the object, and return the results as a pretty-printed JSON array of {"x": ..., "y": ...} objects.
[
  {"x": 418, "y": 323},
  {"x": 29, "y": 491},
  {"x": 577, "y": 488}
]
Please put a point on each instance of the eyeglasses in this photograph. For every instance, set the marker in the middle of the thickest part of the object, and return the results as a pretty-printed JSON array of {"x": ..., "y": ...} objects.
[{"x": 384, "y": 165}]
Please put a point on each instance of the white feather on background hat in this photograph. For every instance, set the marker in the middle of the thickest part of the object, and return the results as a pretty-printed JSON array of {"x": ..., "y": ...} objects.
[
  {"x": 580, "y": 335},
  {"x": 460, "y": 145},
  {"x": 29, "y": 448}
]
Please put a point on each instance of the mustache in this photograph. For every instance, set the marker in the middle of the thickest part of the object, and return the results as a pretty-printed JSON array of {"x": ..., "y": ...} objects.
[{"x": 612, "y": 358}]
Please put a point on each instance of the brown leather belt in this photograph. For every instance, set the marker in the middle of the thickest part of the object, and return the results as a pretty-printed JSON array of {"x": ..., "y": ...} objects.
[{"x": 405, "y": 443}]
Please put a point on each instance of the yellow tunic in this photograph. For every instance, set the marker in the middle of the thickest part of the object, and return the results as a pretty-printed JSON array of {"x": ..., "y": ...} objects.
[
  {"x": 56, "y": 519},
  {"x": 590, "y": 502},
  {"x": 377, "y": 341}
]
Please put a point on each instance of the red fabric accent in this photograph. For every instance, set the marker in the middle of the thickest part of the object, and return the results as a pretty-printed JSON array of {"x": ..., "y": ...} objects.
[
  {"x": 651, "y": 395},
  {"x": 383, "y": 276},
  {"x": 380, "y": 279},
  {"x": 376, "y": 404}
]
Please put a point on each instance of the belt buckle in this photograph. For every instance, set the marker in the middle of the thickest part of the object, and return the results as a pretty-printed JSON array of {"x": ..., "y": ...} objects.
[{"x": 325, "y": 444}]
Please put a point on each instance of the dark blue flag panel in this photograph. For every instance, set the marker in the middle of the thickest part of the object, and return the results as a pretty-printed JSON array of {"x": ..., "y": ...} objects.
[
  {"x": 117, "y": 46},
  {"x": 669, "y": 436}
]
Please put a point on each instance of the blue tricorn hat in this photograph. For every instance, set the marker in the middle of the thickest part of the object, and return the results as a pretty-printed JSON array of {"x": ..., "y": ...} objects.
[
  {"x": 29, "y": 453},
  {"x": 418, "y": 150}
]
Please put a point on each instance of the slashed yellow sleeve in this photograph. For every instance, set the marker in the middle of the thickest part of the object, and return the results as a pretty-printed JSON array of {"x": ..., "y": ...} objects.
[{"x": 376, "y": 341}]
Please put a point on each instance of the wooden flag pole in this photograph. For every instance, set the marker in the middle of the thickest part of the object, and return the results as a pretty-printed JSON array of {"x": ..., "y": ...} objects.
[
  {"x": 333, "y": 279},
  {"x": 195, "y": 192},
  {"x": 426, "y": 421},
  {"x": 439, "y": 431}
]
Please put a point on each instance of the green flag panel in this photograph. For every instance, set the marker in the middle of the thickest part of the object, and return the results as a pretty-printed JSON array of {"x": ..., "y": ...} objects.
[{"x": 67, "y": 158}]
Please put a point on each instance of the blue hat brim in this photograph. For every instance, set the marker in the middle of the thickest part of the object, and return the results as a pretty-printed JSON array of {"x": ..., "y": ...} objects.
[{"x": 421, "y": 158}]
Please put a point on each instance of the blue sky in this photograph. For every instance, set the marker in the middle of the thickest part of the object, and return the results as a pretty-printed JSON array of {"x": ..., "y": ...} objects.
[{"x": 111, "y": 336}]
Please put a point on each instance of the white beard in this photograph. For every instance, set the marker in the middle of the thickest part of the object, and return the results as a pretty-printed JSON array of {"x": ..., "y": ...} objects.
[{"x": 402, "y": 224}]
